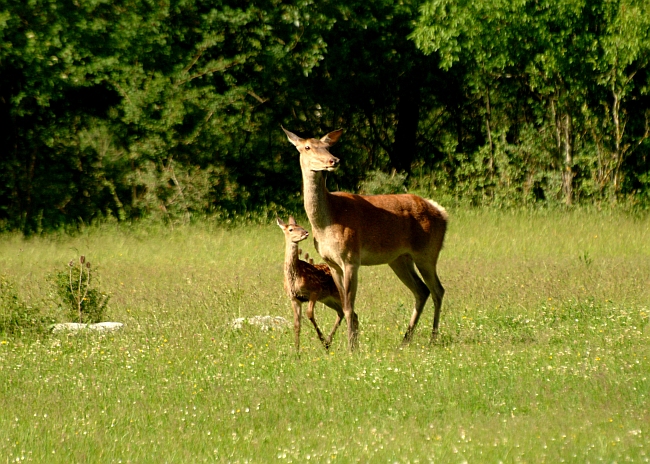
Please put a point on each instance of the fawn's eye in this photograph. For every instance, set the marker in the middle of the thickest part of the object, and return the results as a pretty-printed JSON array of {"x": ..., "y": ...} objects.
[
  {"x": 290, "y": 229},
  {"x": 307, "y": 147}
]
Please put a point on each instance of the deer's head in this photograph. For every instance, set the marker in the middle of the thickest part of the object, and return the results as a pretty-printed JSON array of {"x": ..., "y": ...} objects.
[
  {"x": 292, "y": 230},
  {"x": 314, "y": 153}
]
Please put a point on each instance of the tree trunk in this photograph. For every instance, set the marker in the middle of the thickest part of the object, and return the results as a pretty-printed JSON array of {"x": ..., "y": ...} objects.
[
  {"x": 488, "y": 128},
  {"x": 567, "y": 174},
  {"x": 618, "y": 137},
  {"x": 408, "y": 116},
  {"x": 563, "y": 143}
]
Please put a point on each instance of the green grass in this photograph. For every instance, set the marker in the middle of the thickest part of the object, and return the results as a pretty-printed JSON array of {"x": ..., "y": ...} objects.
[{"x": 543, "y": 354}]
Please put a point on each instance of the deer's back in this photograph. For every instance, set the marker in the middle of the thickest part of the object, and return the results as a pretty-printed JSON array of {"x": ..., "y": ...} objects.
[{"x": 382, "y": 227}]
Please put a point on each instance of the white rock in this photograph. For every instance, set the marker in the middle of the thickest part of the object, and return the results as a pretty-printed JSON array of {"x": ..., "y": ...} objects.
[
  {"x": 265, "y": 323},
  {"x": 76, "y": 327},
  {"x": 106, "y": 326},
  {"x": 68, "y": 327},
  {"x": 238, "y": 323}
]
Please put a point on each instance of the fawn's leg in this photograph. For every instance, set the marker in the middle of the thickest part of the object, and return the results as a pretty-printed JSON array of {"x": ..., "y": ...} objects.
[
  {"x": 313, "y": 298},
  {"x": 297, "y": 308}
]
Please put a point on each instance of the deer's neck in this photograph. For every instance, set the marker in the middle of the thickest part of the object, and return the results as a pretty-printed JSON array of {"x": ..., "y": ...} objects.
[{"x": 316, "y": 196}]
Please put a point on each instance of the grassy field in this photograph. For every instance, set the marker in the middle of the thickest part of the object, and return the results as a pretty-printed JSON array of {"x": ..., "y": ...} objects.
[{"x": 543, "y": 354}]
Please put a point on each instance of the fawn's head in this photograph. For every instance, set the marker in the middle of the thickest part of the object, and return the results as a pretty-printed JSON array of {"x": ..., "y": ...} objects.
[
  {"x": 314, "y": 153},
  {"x": 292, "y": 230}
]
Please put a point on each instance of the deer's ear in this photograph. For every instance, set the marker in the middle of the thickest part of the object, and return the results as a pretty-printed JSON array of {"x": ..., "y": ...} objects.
[
  {"x": 280, "y": 222},
  {"x": 292, "y": 221},
  {"x": 332, "y": 137},
  {"x": 293, "y": 138}
]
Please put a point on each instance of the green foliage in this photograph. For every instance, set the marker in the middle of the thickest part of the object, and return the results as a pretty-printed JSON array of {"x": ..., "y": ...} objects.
[
  {"x": 171, "y": 111},
  {"x": 144, "y": 110},
  {"x": 378, "y": 183},
  {"x": 571, "y": 72},
  {"x": 17, "y": 317},
  {"x": 84, "y": 302}
]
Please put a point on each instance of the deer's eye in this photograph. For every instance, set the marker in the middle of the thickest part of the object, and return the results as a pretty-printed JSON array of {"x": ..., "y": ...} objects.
[
  {"x": 307, "y": 147},
  {"x": 290, "y": 229}
]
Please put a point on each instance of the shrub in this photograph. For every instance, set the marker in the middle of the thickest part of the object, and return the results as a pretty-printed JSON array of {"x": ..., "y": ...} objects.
[{"x": 17, "y": 317}]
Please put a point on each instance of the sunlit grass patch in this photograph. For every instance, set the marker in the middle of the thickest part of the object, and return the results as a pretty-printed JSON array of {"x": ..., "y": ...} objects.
[{"x": 542, "y": 356}]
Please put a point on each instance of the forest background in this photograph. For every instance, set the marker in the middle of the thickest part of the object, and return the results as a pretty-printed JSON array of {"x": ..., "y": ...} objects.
[{"x": 171, "y": 110}]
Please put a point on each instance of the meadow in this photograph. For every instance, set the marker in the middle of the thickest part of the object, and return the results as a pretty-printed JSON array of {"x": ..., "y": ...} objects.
[{"x": 543, "y": 353}]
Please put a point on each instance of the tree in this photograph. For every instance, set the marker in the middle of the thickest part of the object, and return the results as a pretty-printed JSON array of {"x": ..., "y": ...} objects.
[
  {"x": 620, "y": 68},
  {"x": 549, "y": 59},
  {"x": 374, "y": 83},
  {"x": 135, "y": 108}
]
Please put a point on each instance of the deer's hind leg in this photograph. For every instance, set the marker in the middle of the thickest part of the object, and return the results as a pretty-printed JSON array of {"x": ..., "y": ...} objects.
[
  {"x": 430, "y": 276},
  {"x": 404, "y": 268},
  {"x": 339, "y": 317}
]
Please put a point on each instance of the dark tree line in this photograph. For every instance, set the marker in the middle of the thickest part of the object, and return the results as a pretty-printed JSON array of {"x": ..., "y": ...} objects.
[{"x": 172, "y": 109}]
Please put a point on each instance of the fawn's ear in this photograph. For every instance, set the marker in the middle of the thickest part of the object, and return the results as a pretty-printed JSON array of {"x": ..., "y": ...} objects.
[
  {"x": 293, "y": 138},
  {"x": 292, "y": 221},
  {"x": 280, "y": 222},
  {"x": 332, "y": 137}
]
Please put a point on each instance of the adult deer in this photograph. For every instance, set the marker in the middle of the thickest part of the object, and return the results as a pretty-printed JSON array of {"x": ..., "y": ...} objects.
[
  {"x": 307, "y": 282},
  {"x": 404, "y": 231}
]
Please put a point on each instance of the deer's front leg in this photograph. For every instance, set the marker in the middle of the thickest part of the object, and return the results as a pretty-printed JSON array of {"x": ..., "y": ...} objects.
[
  {"x": 346, "y": 283},
  {"x": 297, "y": 308},
  {"x": 348, "y": 291}
]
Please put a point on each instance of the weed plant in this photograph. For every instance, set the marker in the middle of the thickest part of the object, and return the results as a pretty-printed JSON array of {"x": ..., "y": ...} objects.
[
  {"x": 543, "y": 355},
  {"x": 84, "y": 302}
]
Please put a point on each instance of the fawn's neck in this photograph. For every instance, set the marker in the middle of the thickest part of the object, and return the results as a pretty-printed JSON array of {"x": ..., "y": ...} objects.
[{"x": 290, "y": 259}]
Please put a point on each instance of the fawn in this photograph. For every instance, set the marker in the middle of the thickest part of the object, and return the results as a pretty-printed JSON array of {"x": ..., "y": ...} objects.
[{"x": 306, "y": 282}]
